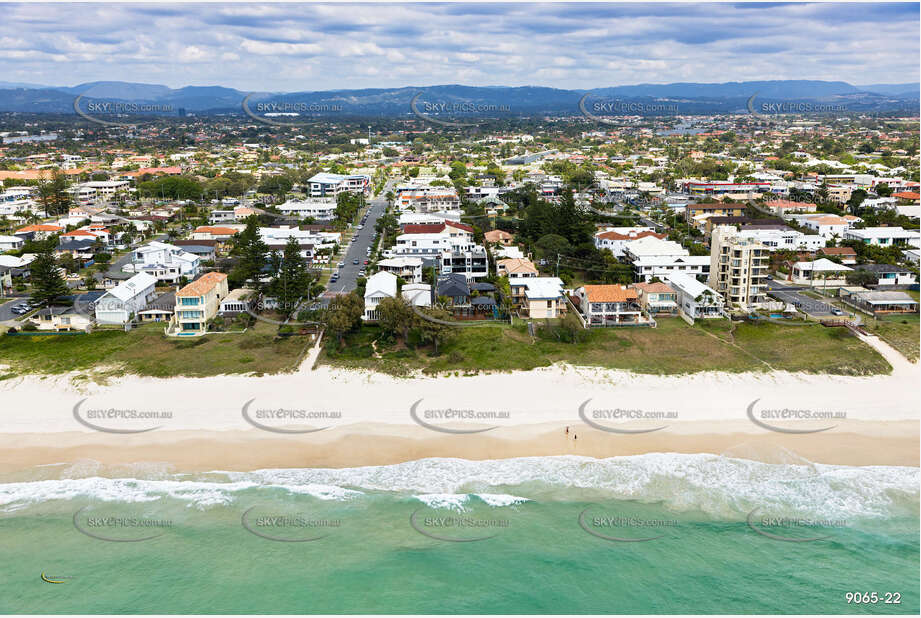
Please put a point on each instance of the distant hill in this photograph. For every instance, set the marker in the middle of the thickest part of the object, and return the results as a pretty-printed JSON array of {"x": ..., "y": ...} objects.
[{"x": 458, "y": 100}]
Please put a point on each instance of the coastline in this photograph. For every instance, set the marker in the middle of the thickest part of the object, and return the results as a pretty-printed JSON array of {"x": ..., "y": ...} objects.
[{"x": 702, "y": 413}]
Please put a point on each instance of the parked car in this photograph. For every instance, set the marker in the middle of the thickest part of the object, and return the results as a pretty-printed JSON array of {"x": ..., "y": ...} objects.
[{"x": 341, "y": 265}]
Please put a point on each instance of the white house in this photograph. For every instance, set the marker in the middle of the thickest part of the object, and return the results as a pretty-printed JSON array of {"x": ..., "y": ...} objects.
[
  {"x": 407, "y": 268},
  {"x": 614, "y": 239},
  {"x": 819, "y": 272},
  {"x": 885, "y": 236},
  {"x": 164, "y": 261},
  {"x": 827, "y": 226},
  {"x": 645, "y": 268},
  {"x": 780, "y": 239},
  {"x": 378, "y": 287},
  {"x": 124, "y": 300},
  {"x": 695, "y": 299},
  {"x": 319, "y": 209},
  {"x": 418, "y": 294},
  {"x": 11, "y": 243}
]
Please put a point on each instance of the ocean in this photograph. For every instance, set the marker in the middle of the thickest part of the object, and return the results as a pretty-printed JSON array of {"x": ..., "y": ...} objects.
[{"x": 657, "y": 533}]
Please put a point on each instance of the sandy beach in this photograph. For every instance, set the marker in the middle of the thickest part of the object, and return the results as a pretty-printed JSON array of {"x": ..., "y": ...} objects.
[{"x": 327, "y": 417}]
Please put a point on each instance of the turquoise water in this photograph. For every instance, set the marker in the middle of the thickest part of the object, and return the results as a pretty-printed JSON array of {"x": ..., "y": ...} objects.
[{"x": 453, "y": 536}]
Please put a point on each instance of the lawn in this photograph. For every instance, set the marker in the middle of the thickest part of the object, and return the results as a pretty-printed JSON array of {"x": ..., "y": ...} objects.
[
  {"x": 146, "y": 351},
  {"x": 672, "y": 348},
  {"x": 900, "y": 331}
]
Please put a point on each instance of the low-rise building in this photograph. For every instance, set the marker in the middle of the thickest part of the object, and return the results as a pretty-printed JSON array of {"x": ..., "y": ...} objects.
[
  {"x": 609, "y": 305},
  {"x": 120, "y": 304},
  {"x": 889, "y": 274},
  {"x": 657, "y": 298},
  {"x": 379, "y": 286},
  {"x": 695, "y": 299},
  {"x": 885, "y": 236},
  {"x": 822, "y": 272},
  {"x": 409, "y": 269},
  {"x": 198, "y": 303}
]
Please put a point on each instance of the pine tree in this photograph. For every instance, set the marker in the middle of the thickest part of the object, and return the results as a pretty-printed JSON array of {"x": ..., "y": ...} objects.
[{"x": 47, "y": 282}]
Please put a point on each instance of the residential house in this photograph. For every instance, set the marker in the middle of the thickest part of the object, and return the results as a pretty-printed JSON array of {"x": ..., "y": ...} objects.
[
  {"x": 615, "y": 240},
  {"x": 11, "y": 243},
  {"x": 379, "y": 286},
  {"x": 166, "y": 262},
  {"x": 889, "y": 274},
  {"x": 38, "y": 231},
  {"x": 60, "y": 319},
  {"x": 657, "y": 298},
  {"x": 695, "y": 299},
  {"x": 783, "y": 207},
  {"x": 236, "y": 302},
  {"x": 120, "y": 304},
  {"x": 418, "y": 294},
  {"x": 498, "y": 237},
  {"x": 197, "y": 303},
  {"x": 729, "y": 209},
  {"x": 514, "y": 268},
  {"x": 609, "y": 305},
  {"x": 846, "y": 255},
  {"x": 539, "y": 297},
  {"x": 878, "y": 302},
  {"x": 454, "y": 287},
  {"x": 885, "y": 236},
  {"x": 160, "y": 309},
  {"x": 407, "y": 268},
  {"x": 822, "y": 272}
]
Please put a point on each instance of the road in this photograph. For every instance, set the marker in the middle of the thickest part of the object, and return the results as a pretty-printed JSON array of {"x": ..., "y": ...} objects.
[
  {"x": 358, "y": 250},
  {"x": 791, "y": 295}
]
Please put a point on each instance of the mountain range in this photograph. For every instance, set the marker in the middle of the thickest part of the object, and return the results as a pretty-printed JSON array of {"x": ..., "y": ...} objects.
[{"x": 689, "y": 97}]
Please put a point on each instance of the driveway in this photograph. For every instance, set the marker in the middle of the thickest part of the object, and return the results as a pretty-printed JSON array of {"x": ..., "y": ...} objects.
[{"x": 791, "y": 294}]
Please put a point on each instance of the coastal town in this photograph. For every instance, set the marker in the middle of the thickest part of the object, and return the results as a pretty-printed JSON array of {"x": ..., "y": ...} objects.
[{"x": 406, "y": 248}]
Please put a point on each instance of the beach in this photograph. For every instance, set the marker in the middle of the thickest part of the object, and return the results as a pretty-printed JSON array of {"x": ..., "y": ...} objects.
[{"x": 331, "y": 417}]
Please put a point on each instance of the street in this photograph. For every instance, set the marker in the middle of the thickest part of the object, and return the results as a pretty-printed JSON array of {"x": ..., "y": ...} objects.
[{"x": 358, "y": 250}]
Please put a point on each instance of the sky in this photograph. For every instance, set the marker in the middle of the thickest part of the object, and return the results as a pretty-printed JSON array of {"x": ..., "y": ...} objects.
[{"x": 297, "y": 47}]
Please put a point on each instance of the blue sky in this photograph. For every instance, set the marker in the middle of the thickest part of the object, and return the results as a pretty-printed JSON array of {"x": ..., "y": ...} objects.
[{"x": 288, "y": 47}]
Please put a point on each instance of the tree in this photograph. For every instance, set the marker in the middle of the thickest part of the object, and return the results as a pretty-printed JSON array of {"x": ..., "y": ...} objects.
[
  {"x": 47, "y": 282},
  {"x": 292, "y": 279},
  {"x": 52, "y": 193},
  {"x": 436, "y": 332},
  {"x": 344, "y": 314},
  {"x": 861, "y": 277},
  {"x": 571, "y": 325},
  {"x": 396, "y": 316},
  {"x": 250, "y": 251},
  {"x": 883, "y": 190}
]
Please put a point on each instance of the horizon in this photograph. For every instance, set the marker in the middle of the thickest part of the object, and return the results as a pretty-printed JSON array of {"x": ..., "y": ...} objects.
[{"x": 279, "y": 48}]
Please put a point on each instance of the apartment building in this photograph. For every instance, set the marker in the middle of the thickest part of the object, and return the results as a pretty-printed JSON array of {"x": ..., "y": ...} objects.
[
  {"x": 197, "y": 303},
  {"x": 96, "y": 190},
  {"x": 738, "y": 267},
  {"x": 319, "y": 209}
]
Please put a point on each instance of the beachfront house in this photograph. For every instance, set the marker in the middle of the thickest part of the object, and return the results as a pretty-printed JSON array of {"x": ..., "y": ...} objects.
[
  {"x": 379, "y": 286},
  {"x": 609, "y": 305},
  {"x": 695, "y": 299},
  {"x": 197, "y": 303},
  {"x": 120, "y": 304}
]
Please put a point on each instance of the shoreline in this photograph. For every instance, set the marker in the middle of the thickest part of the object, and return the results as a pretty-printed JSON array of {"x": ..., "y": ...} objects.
[{"x": 893, "y": 443}]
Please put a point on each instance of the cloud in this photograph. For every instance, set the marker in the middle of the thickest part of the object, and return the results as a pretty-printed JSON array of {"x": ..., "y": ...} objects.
[{"x": 269, "y": 46}]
